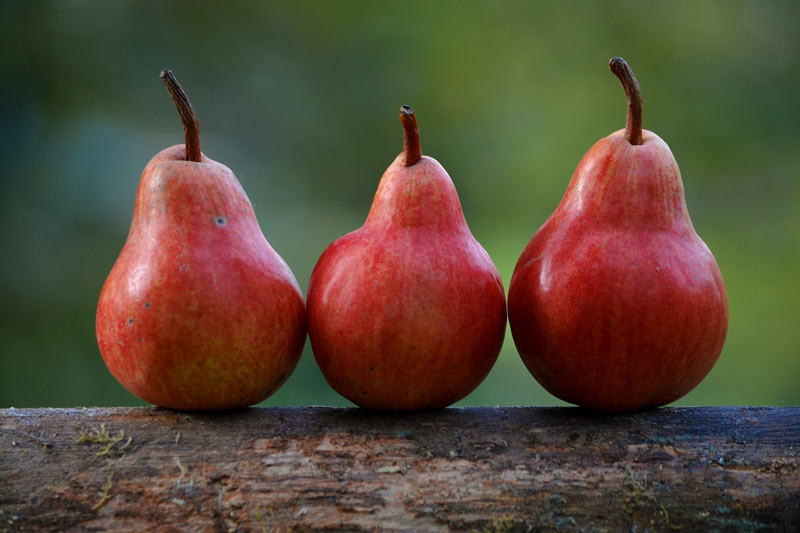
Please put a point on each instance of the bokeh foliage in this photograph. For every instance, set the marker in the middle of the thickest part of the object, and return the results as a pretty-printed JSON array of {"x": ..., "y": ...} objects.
[{"x": 300, "y": 99}]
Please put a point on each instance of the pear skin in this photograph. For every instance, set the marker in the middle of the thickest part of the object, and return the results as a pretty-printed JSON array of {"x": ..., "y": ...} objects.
[
  {"x": 616, "y": 303},
  {"x": 198, "y": 312},
  {"x": 407, "y": 312}
]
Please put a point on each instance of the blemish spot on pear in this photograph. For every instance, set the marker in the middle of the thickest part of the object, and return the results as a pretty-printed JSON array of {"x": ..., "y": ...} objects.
[
  {"x": 130, "y": 320},
  {"x": 221, "y": 221}
]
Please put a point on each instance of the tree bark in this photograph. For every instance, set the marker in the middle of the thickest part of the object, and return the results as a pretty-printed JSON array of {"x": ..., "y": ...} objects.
[{"x": 471, "y": 469}]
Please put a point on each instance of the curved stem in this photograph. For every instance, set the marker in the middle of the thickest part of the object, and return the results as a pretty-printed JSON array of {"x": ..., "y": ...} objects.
[
  {"x": 633, "y": 124},
  {"x": 411, "y": 147},
  {"x": 191, "y": 127}
]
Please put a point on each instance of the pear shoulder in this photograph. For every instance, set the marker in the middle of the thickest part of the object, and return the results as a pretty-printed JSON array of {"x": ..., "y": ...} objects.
[
  {"x": 619, "y": 184},
  {"x": 418, "y": 196},
  {"x": 650, "y": 140},
  {"x": 177, "y": 154}
]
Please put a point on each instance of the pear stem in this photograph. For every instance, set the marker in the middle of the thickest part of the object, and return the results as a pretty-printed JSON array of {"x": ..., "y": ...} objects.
[
  {"x": 411, "y": 147},
  {"x": 633, "y": 124},
  {"x": 191, "y": 128}
]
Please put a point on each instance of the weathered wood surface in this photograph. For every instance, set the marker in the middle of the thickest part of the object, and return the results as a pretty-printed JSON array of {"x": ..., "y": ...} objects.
[{"x": 473, "y": 469}]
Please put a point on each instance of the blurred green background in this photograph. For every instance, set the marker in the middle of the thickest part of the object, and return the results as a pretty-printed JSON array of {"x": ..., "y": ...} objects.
[{"x": 300, "y": 99}]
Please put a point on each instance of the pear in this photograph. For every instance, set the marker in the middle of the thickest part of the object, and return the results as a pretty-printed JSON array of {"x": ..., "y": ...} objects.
[
  {"x": 407, "y": 312},
  {"x": 198, "y": 312},
  {"x": 616, "y": 303}
]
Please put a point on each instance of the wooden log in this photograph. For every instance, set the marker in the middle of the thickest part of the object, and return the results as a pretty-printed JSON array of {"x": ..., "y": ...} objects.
[{"x": 470, "y": 469}]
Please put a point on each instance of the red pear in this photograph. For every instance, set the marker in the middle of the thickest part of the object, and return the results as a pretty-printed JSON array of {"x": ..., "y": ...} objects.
[
  {"x": 407, "y": 312},
  {"x": 198, "y": 312},
  {"x": 616, "y": 303}
]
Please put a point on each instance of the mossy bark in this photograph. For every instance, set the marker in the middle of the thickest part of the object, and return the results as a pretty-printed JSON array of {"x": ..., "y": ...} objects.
[{"x": 473, "y": 469}]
